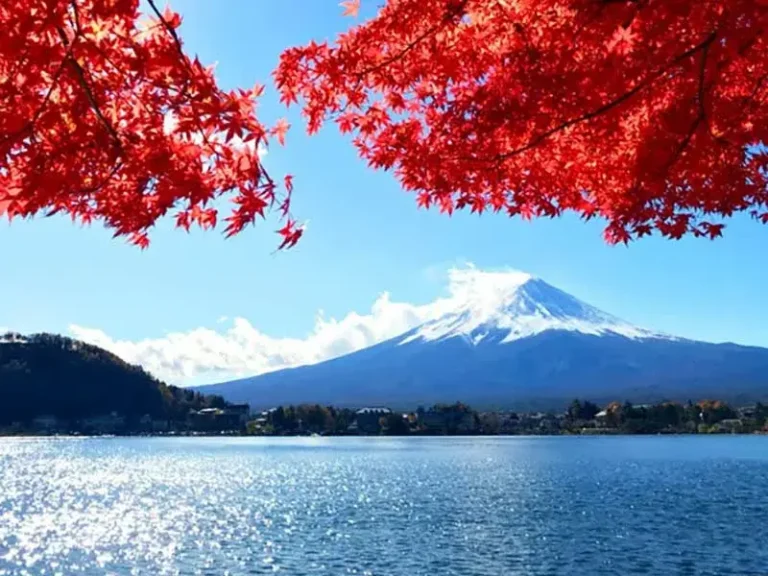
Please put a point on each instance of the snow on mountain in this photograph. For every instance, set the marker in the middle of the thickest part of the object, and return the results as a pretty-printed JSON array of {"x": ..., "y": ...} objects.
[
  {"x": 512, "y": 340},
  {"x": 519, "y": 306}
]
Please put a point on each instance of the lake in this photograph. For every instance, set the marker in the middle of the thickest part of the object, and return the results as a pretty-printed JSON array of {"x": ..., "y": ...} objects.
[{"x": 385, "y": 506}]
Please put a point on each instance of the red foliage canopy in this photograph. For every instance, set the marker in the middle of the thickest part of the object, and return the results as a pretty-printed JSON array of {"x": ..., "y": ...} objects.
[
  {"x": 648, "y": 113},
  {"x": 105, "y": 117}
]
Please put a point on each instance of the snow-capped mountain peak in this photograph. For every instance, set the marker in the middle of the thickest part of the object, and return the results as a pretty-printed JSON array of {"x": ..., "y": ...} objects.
[
  {"x": 517, "y": 307},
  {"x": 473, "y": 345}
]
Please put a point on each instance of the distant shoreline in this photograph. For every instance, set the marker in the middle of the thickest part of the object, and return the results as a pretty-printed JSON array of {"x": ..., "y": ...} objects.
[
  {"x": 372, "y": 436},
  {"x": 581, "y": 418}
]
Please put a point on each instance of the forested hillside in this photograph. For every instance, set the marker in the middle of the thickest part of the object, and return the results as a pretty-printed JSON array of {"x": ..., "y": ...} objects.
[{"x": 51, "y": 375}]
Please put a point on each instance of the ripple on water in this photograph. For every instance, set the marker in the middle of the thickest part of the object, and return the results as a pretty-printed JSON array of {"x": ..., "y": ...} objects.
[{"x": 484, "y": 506}]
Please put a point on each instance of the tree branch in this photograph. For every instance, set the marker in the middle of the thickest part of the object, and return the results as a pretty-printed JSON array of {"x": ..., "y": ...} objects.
[
  {"x": 77, "y": 16},
  {"x": 602, "y": 109},
  {"x": 54, "y": 82},
  {"x": 702, "y": 76},
  {"x": 683, "y": 144},
  {"x": 700, "y": 117},
  {"x": 80, "y": 74},
  {"x": 410, "y": 46},
  {"x": 167, "y": 26}
]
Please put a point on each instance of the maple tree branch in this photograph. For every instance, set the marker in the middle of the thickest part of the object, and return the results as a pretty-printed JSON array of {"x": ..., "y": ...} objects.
[
  {"x": 394, "y": 58},
  {"x": 604, "y": 108},
  {"x": 410, "y": 46},
  {"x": 700, "y": 117},
  {"x": 702, "y": 74},
  {"x": 80, "y": 73},
  {"x": 77, "y": 16},
  {"x": 683, "y": 144},
  {"x": 90, "y": 191},
  {"x": 183, "y": 93},
  {"x": 759, "y": 84},
  {"x": 105, "y": 181},
  {"x": 39, "y": 112},
  {"x": 701, "y": 95},
  {"x": 167, "y": 26},
  {"x": 81, "y": 80},
  {"x": 54, "y": 83}
]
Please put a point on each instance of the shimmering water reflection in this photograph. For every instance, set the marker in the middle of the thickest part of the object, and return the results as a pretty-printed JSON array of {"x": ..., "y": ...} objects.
[{"x": 400, "y": 507}]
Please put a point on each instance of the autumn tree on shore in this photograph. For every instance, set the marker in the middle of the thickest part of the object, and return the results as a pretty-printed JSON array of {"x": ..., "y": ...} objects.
[{"x": 649, "y": 114}]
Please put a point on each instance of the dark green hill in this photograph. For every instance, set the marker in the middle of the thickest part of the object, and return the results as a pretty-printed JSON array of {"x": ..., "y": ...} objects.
[{"x": 50, "y": 375}]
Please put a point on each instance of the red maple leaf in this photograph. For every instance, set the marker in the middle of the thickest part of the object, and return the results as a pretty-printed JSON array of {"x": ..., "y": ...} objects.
[
  {"x": 622, "y": 41},
  {"x": 280, "y": 129},
  {"x": 291, "y": 234},
  {"x": 351, "y": 7}
]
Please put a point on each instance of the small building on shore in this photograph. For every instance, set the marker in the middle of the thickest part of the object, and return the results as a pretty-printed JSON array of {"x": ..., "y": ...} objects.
[
  {"x": 233, "y": 417},
  {"x": 601, "y": 419}
]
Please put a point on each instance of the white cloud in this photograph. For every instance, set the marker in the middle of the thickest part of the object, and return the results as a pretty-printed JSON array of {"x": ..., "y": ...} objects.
[{"x": 208, "y": 355}]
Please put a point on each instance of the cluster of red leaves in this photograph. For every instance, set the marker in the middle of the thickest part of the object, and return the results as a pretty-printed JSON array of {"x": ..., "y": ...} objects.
[
  {"x": 647, "y": 113},
  {"x": 103, "y": 116}
]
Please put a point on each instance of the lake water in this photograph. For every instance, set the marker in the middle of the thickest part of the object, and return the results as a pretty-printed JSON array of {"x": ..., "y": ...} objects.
[{"x": 401, "y": 507}]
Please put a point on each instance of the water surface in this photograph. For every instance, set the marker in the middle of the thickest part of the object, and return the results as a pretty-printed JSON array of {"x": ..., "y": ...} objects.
[{"x": 400, "y": 507}]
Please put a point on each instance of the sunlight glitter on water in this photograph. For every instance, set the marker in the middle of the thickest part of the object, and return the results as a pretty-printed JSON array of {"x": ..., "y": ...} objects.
[{"x": 348, "y": 506}]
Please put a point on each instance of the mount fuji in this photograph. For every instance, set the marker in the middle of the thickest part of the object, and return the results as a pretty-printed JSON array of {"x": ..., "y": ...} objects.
[{"x": 516, "y": 342}]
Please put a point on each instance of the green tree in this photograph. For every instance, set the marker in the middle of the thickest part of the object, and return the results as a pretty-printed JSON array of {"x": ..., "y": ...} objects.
[
  {"x": 761, "y": 413},
  {"x": 582, "y": 410},
  {"x": 715, "y": 411},
  {"x": 396, "y": 425},
  {"x": 490, "y": 423},
  {"x": 574, "y": 410}
]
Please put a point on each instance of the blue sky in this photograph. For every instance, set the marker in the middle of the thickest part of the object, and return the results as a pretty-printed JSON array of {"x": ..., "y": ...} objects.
[{"x": 365, "y": 236}]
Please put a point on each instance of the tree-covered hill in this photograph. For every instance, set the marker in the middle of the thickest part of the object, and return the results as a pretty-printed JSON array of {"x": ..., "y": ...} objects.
[{"x": 51, "y": 375}]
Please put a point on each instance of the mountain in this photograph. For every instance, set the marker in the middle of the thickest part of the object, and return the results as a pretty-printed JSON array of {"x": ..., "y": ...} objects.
[
  {"x": 50, "y": 375},
  {"x": 516, "y": 344}
]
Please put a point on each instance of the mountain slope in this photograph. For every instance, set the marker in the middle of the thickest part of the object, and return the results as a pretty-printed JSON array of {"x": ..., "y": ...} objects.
[
  {"x": 520, "y": 342},
  {"x": 46, "y": 374}
]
